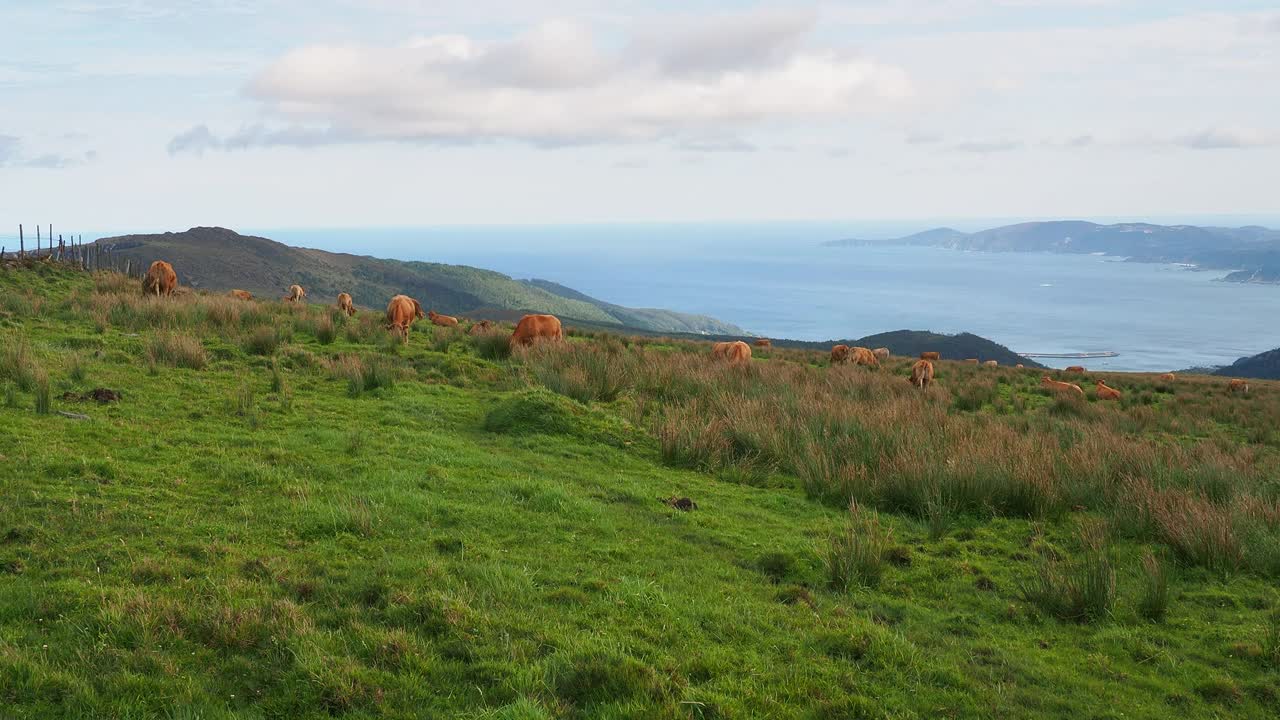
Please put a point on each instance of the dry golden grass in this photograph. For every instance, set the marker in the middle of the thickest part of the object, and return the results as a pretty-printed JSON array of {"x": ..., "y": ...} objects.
[{"x": 1168, "y": 463}]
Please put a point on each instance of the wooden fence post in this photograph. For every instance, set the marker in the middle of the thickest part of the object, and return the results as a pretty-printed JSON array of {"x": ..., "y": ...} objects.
[
  {"x": 37, "y": 240},
  {"x": 22, "y": 244}
]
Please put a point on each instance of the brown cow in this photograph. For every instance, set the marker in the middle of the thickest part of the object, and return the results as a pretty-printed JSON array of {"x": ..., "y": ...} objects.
[
  {"x": 736, "y": 352},
  {"x": 442, "y": 320},
  {"x": 863, "y": 356},
  {"x": 930, "y": 356},
  {"x": 241, "y": 294},
  {"x": 1107, "y": 393},
  {"x": 537, "y": 327},
  {"x": 921, "y": 374},
  {"x": 1075, "y": 369},
  {"x": 840, "y": 354},
  {"x": 401, "y": 312},
  {"x": 971, "y": 361},
  {"x": 160, "y": 280},
  {"x": 763, "y": 343},
  {"x": 345, "y": 304},
  {"x": 1168, "y": 377},
  {"x": 992, "y": 363},
  {"x": 1058, "y": 386},
  {"x": 1238, "y": 385},
  {"x": 881, "y": 353},
  {"x": 296, "y": 294},
  {"x": 479, "y": 327}
]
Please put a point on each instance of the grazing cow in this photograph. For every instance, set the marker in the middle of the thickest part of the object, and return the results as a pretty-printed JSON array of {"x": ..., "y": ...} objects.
[
  {"x": 1107, "y": 393},
  {"x": 1019, "y": 366},
  {"x": 160, "y": 280},
  {"x": 345, "y": 304},
  {"x": 863, "y": 356},
  {"x": 401, "y": 312},
  {"x": 479, "y": 327},
  {"x": 763, "y": 343},
  {"x": 532, "y": 328},
  {"x": 1058, "y": 386},
  {"x": 921, "y": 374},
  {"x": 930, "y": 356},
  {"x": 971, "y": 361},
  {"x": 736, "y": 352},
  {"x": 1168, "y": 377},
  {"x": 241, "y": 294},
  {"x": 840, "y": 354},
  {"x": 296, "y": 294},
  {"x": 1075, "y": 369},
  {"x": 1238, "y": 385},
  {"x": 992, "y": 363},
  {"x": 442, "y": 320},
  {"x": 881, "y": 353}
]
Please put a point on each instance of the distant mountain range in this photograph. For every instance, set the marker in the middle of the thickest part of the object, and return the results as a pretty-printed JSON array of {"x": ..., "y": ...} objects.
[
  {"x": 1251, "y": 254},
  {"x": 218, "y": 259}
]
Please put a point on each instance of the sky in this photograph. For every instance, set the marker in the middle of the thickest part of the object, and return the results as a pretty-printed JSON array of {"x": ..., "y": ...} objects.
[{"x": 151, "y": 114}]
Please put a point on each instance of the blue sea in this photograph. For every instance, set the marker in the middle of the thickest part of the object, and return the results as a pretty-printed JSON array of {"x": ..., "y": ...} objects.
[{"x": 778, "y": 280}]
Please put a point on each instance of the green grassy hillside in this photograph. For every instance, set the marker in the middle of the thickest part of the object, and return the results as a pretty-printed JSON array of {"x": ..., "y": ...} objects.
[
  {"x": 287, "y": 514},
  {"x": 218, "y": 259}
]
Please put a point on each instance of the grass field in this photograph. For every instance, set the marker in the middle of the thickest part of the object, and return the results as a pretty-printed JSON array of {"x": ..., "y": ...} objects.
[{"x": 287, "y": 514}]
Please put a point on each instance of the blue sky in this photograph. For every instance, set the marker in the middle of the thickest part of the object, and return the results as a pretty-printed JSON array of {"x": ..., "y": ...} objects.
[{"x": 145, "y": 114}]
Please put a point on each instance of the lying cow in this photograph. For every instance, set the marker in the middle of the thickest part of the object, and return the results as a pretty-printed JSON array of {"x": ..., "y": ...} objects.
[
  {"x": 442, "y": 320},
  {"x": 1058, "y": 386},
  {"x": 1107, "y": 393},
  {"x": 1075, "y": 369},
  {"x": 479, "y": 327},
  {"x": 1168, "y": 377},
  {"x": 763, "y": 343},
  {"x": 921, "y": 374},
  {"x": 241, "y": 294},
  {"x": 992, "y": 363},
  {"x": 931, "y": 356}
]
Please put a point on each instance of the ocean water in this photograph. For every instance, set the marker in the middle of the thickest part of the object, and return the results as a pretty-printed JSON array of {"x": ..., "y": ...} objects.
[{"x": 778, "y": 280}]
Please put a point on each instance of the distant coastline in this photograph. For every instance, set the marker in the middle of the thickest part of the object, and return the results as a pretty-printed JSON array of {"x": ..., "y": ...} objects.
[{"x": 1249, "y": 254}]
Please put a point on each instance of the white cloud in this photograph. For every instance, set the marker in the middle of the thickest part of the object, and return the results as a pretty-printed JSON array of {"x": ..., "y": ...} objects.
[
  {"x": 1228, "y": 138},
  {"x": 555, "y": 85},
  {"x": 12, "y": 155}
]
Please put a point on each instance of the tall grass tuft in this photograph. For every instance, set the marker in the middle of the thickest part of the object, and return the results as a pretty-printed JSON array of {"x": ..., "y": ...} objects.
[
  {"x": 244, "y": 405},
  {"x": 599, "y": 372},
  {"x": 1154, "y": 602},
  {"x": 855, "y": 554},
  {"x": 176, "y": 350},
  {"x": 492, "y": 344},
  {"x": 1082, "y": 589},
  {"x": 263, "y": 340},
  {"x": 76, "y": 370},
  {"x": 18, "y": 364},
  {"x": 325, "y": 330},
  {"x": 44, "y": 399},
  {"x": 363, "y": 374},
  {"x": 10, "y": 395}
]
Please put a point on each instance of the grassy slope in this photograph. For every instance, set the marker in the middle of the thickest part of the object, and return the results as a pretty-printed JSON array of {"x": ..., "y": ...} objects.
[
  {"x": 217, "y": 259},
  {"x": 187, "y": 552}
]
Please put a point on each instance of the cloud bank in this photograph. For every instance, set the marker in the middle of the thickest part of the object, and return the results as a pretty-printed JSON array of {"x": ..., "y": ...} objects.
[{"x": 556, "y": 85}]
